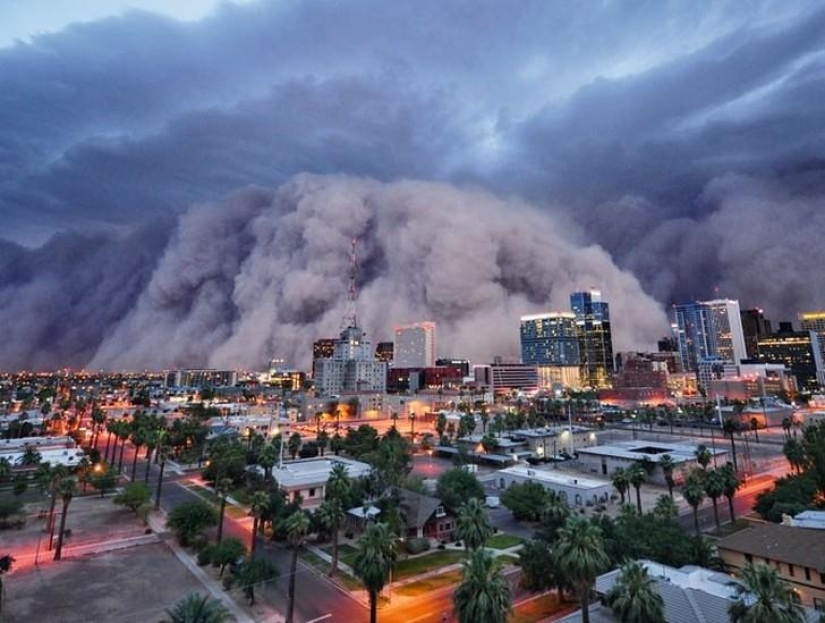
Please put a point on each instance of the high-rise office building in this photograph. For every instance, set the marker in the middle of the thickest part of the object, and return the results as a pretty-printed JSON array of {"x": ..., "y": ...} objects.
[
  {"x": 709, "y": 330},
  {"x": 814, "y": 321},
  {"x": 595, "y": 337},
  {"x": 754, "y": 326},
  {"x": 550, "y": 339},
  {"x": 352, "y": 367},
  {"x": 800, "y": 352},
  {"x": 414, "y": 345}
]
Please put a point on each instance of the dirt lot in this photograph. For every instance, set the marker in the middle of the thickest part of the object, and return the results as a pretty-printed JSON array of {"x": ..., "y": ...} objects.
[{"x": 136, "y": 584}]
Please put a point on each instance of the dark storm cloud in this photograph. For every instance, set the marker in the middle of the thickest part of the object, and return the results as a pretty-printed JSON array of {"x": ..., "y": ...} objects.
[{"x": 670, "y": 135}]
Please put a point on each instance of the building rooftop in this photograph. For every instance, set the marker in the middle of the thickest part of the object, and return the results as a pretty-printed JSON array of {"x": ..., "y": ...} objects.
[
  {"x": 789, "y": 544},
  {"x": 643, "y": 449},
  {"x": 315, "y": 471},
  {"x": 808, "y": 519},
  {"x": 555, "y": 477}
]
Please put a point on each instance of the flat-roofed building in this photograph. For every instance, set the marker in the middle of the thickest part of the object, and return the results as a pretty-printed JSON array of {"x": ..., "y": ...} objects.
[
  {"x": 572, "y": 488},
  {"x": 308, "y": 478}
]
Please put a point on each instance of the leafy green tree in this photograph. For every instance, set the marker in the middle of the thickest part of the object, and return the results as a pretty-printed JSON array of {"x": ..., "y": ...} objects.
[
  {"x": 763, "y": 597},
  {"x": 790, "y": 495},
  {"x": 553, "y": 517},
  {"x": 621, "y": 482},
  {"x": 667, "y": 464},
  {"x": 483, "y": 596},
  {"x": 189, "y": 519},
  {"x": 456, "y": 486},
  {"x": 665, "y": 507},
  {"x": 581, "y": 557},
  {"x": 195, "y": 608},
  {"x": 539, "y": 568},
  {"x": 134, "y": 496},
  {"x": 795, "y": 453},
  {"x": 6, "y": 563},
  {"x": 322, "y": 440},
  {"x": 296, "y": 528},
  {"x": 67, "y": 489},
  {"x": 375, "y": 559},
  {"x": 30, "y": 456},
  {"x": 103, "y": 479},
  {"x": 441, "y": 425},
  {"x": 255, "y": 572},
  {"x": 227, "y": 552},
  {"x": 637, "y": 476},
  {"x": 473, "y": 525},
  {"x": 337, "y": 489},
  {"x": 693, "y": 491},
  {"x": 634, "y": 598},
  {"x": 525, "y": 501}
]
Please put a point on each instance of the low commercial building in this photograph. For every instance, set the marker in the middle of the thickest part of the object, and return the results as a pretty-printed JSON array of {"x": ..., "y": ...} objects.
[
  {"x": 604, "y": 460},
  {"x": 575, "y": 490},
  {"x": 798, "y": 554},
  {"x": 308, "y": 478},
  {"x": 552, "y": 441}
]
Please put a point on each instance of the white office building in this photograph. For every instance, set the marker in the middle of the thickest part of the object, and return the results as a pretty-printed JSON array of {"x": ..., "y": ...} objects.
[{"x": 414, "y": 345}]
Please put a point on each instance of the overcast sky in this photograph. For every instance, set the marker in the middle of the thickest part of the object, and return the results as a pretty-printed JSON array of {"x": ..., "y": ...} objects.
[{"x": 684, "y": 140}]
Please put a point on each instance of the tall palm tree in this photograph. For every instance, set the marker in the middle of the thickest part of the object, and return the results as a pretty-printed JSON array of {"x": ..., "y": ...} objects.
[
  {"x": 794, "y": 451},
  {"x": 580, "y": 555},
  {"x": 694, "y": 493},
  {"x": 667, "y": 464},
  {"x": 729, "y": 429},
  {"x": 196, "y": 608},
  {"x": 634, "y": 598},
  {"x": 224, "y": 486},
  {"x": 374, "y": 562},
  {"x": 67, "y": 490},
  {"x": 98, "y": 419},
  {"x": 731, "y": 486},
  {"x": 637, "y": 476},
  {"x": 483, "y": 595},
  {"x": 763, "y": 597},
  {"x": 139, "y": 436},
  {"x": 296, "y": 529},
  {"x": 473, "y": 525},
  {"x": 49, "y": 478},
  {"x": 267, "y": 459},
  {"x": 258, "y": 505},
  {"x": 665, "y": 507},
  {"x": 715, "y": 489},
  {"x": 163, "y": 455},
  {"x": 703, "y": 455},
  {"x": 621, "y": 482},
  {"x": 338, "y": 487}
]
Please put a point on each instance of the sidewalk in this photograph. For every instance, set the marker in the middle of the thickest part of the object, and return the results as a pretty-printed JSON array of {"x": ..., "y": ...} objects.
[{"x": 157, "y": 521}]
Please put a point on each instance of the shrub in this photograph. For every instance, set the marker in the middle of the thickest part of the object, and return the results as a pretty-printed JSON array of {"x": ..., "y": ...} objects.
[
  {"x": 205, "y": 555},
  {"x": 416, "y": 546}
]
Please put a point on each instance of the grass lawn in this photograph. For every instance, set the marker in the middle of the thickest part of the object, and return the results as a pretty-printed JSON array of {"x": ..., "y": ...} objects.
[
  {"x": 503, "y": 541},
  {"x": 428, "y": 562},
  {"x": 344, "y": 579},
  {"x": 432, "y": 583},
  {"x": 210, "y": 496},
  {"x": 537, "y": 609},
  {"x": 506, "y": 559},
  {"x": 346, "y": 552}
]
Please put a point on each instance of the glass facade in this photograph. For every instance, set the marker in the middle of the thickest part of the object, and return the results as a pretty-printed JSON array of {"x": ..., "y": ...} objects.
[
  {"x": 594, "y": 336},
  {"x": 549, "y": 339}
]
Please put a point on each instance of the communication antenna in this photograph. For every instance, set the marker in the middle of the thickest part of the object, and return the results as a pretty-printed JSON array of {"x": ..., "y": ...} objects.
[{"x": 349, "y": 319}]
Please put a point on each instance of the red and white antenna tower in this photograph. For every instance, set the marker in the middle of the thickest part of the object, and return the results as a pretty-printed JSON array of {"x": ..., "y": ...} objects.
[{"x": 349, "y": 319}]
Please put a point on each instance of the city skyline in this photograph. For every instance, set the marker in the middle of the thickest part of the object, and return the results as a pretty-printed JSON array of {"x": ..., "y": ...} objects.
[{"x": 182, "y": 186}]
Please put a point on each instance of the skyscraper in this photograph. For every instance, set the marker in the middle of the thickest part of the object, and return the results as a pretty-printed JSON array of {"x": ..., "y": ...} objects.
[
  {"x": 550, "y": 339},
  {"x": 414, "y": 345},
  {"x": 595, "y": 337},
  {"x": 709, "y": 330},
  {"x": 800, "y": 351},
  {"x": 352, "y": 367},
  {"x": 815, "y": 321},
  {"x": 754, "y": 326}
]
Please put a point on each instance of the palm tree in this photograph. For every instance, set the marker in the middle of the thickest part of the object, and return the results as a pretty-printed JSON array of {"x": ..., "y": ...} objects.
[
  {"x": 267, "y": 459},
  {"x": 794, "y": 451},
  {"x": 258, "y": 505},
  {"x": 98, "y": 419},
  {"x": 473, "y": 526},
  {"x": 732, "y": 485},
  {"x": 5, "y": 468},
  {"x": 49, "y": 478},
  {"x": 224, "y": 486},
  {"x": 30, "y": 456},
  {"x": 729, "y": 429},
  {"x": 763, "y": 597},
  {"x": 665, "y": 507},
  {"x": 297, "y": 526},
  {"x": 163, "y": 455},
  {"x": 255, "y": 572},
  {"x": 703, "y": 455},
  {"x": 67, "y": 489},
  {"x": 634, "y": 598},
  {"x": 338, "y": 487},
  {"x": 694, "y": 493},
  {"x": 374, "y": 562},
  {"x": 637, "y": 476},
  {"x": 483, "y": 595},
  {"x": 580, "y": 555},
  {"x": 715, "y": 489},
  {"x": 621, "y": 481},
  {"x": 124, "y": 431},
  {"x": 139, "y": 436},
  {"x": 667, "y": 464},
  {"x": 196, "y": 608}
]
